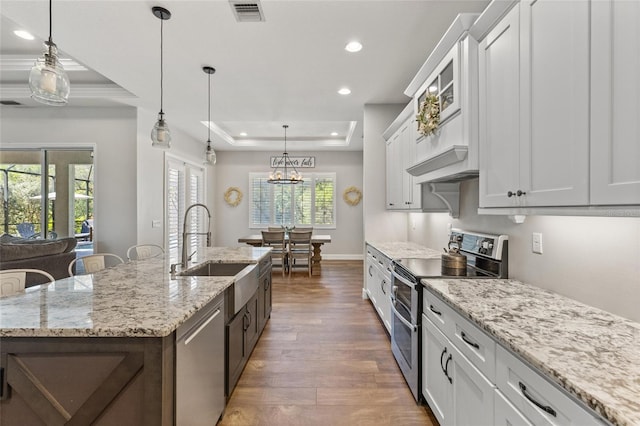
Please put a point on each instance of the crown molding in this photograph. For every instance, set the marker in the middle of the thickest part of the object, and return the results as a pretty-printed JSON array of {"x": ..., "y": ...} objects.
[{"x": 78, "y": 91}]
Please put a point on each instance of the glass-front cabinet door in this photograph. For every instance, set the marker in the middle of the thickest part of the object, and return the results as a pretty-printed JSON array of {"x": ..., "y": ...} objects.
[{"x": 444, "y": 84}]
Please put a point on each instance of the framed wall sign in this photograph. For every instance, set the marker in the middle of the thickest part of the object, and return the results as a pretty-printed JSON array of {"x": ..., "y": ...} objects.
[{"x": 297, "y": 162}]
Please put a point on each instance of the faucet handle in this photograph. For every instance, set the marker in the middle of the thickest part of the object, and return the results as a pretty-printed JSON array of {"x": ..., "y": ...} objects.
[
  {"x": 209, "y": 239},
  {"x": 191, "y": 255}
]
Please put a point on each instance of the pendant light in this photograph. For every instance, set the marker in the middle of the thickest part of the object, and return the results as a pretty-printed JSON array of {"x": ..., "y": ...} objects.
[
  {"x": 160, "y": 134},
  {"x": 209, "y": 154},
  {"x": 281, "y": 174},
  {"x": 48, "y": 81}
]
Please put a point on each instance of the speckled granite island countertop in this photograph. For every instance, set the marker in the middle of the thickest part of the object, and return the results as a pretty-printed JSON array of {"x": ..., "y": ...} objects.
[
  {"x": 594, "y": 355},
  {"x": 395, "y": 250},
  {"x": 135, "y": 299}
]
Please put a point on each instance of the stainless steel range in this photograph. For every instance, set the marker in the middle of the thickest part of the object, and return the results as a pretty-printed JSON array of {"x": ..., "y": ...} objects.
[{"x": 486, "y": 257}]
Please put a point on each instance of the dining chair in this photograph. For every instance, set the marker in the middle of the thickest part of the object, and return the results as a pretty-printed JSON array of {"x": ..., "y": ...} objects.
[
  {"x": 275, "y": 240},
  {"x": 300, "y": 248},
  {"x": 14, "y": 280},
  {"x": 144, "y": 251},
  {"x": 303, "y": 229},
  {"x": 94, "y": 262}
]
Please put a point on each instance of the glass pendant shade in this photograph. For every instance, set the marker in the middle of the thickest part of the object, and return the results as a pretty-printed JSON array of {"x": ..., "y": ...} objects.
[
  {"x": 160, "y": 134},
  {"x": 210, "y": 155},
  {"x": 48, "y": 81}
]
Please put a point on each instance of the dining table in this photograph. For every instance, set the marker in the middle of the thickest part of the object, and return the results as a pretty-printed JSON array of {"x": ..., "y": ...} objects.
[{"x": 317, "y": 240}]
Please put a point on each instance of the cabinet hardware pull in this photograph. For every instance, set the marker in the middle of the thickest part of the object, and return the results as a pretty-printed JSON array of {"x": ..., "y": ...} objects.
[
  {"x": 510, "y": 194},
  {"x": 469, "y": 342},
  {"x": 382, "y": 287},
  {"x": 544, "y": 408},
  {"x": 245, "y": 326},
  {"x": 444, "y": 352},
  {"x": 370, "y": 274},
  {"x": 520, "y": 193},
  {"x": 432, "y": 309},
  {"x": 446, "y": 368}
]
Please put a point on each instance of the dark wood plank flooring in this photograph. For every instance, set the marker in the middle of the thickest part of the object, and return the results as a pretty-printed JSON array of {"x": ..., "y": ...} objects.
[{"x": 323, "y": 359}]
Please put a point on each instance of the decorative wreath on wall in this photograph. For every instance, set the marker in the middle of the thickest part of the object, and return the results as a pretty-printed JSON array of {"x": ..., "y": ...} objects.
[
  {"x": 352, "y": 196},
  {"x": 429, "y": 115},
  {"x": 233, "y": 196}
]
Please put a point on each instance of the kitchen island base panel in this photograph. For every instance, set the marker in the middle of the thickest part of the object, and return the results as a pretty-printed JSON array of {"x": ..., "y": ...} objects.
[{"x": 100, "y": 381}]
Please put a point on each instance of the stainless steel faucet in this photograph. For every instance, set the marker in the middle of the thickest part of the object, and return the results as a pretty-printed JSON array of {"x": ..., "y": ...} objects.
[{"x": 185, "y": 257}]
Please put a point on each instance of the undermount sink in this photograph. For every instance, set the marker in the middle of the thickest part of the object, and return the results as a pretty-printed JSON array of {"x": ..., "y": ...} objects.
[{"x": 210, "y": 269}]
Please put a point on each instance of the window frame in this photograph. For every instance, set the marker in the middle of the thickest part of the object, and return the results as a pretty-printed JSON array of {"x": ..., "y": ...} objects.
[{"x": 312, "y": 177}]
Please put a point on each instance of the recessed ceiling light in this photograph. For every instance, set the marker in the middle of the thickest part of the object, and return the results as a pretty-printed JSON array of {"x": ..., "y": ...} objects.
[
  {"x": 243, "y": 133},
  {"x": 353, "y": 46},
  {"x": 23, "y": 34},
  {"x": 344, "y": 91},
  {"x": 334, "y": 133}
]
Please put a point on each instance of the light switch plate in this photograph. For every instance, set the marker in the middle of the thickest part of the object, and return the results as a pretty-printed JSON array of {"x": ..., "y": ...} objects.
[{"x": 536, "y": 242}]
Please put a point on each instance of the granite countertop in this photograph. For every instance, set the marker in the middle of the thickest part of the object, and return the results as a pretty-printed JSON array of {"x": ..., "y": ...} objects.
[
  {"x": 594, "y": 355},
  {"x": 135, "y": 299},
  {"x": 395, "y": 250}
]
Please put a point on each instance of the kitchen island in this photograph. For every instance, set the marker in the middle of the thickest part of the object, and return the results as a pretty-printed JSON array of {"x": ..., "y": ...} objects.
[
  {"x": 591, "y": 355},
  {"x": 102, "y": 347}
]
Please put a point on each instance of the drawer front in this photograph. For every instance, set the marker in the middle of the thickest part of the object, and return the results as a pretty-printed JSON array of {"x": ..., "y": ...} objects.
[
  {"x": 538, "y": 400},
  {"x": 506, "y": 414},
  {"x": 438, "y": 312},
  {"x": 477, "y": 346}
]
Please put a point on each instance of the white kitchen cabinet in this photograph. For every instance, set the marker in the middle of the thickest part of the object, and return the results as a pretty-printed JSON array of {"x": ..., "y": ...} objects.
[
  {"x": 534, "y": 106},
  {"x": 499, "y": 74},
  {"x": 402, "y": 192},
  {"x": 450, "y": 73},
  {"x": 457, "y": 392},
  {"x": 378, "y": 284},
  {"x": 615, "y": 103},
  {"x": 534, "y": 398},
  {"x": 505, "y": 414}
]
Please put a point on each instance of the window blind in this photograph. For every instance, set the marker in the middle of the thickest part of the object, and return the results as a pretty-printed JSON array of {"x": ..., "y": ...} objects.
[{"x": 310, "y": 203}]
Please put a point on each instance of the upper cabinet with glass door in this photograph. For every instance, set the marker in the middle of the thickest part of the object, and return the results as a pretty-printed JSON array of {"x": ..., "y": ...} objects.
[
  {"x": 443, "y": 86},
  {"x": 447, "y": 82}
]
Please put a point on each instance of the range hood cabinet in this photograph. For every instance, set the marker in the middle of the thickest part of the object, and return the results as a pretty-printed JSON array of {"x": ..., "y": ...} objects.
[{"x": 451, "y": 73}]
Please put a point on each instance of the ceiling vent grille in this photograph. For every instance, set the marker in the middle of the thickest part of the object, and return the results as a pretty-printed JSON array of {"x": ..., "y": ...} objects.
[
  {"x": 12, "y": 103},
  {"x": 247, "y": 11}
]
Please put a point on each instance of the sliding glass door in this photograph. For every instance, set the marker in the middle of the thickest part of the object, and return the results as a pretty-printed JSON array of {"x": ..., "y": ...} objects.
[{"x": 47, "y": 193}]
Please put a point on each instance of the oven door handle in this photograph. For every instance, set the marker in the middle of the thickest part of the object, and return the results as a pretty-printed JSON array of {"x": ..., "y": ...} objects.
[
  {"x": 413, "y": 328},
  {"x": 403, "y": 280}
]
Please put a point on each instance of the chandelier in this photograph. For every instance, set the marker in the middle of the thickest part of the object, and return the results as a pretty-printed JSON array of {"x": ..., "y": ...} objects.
[{"x": 284, "y": 172}]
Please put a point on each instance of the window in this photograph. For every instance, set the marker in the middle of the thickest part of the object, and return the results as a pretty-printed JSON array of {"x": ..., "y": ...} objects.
[
  {"x": 310, "y": 203},
  {"x": 185, "y": 186}
]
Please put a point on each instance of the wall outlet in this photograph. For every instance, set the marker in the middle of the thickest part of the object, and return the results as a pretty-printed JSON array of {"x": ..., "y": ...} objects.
[
  {"x": 536, "y": 242},
  {"x": 156, "y": 223}
]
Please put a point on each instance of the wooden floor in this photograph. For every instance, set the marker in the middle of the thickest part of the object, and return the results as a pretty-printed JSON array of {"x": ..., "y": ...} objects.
[{"x": 323, "y": 359}]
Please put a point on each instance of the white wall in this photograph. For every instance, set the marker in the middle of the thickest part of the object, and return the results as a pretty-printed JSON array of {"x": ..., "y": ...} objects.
[
  {"x": 129, "y": 179},
  {"x": 595, "y": 260},
  {"x": 231, "y": 223},
  {"x": 150, "y": 175},
  {"x": 112, "y": 133},
  {"x": 379, "y": 224}
]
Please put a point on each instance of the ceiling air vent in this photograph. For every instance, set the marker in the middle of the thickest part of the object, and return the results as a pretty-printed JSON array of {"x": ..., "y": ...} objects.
[
  {"x": 247, "y": 11},
  {"x": 13, "y": 103}
]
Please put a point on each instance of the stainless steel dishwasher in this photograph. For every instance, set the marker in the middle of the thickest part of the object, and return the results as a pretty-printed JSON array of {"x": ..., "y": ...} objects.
[{"x": 200, "y": 352}]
